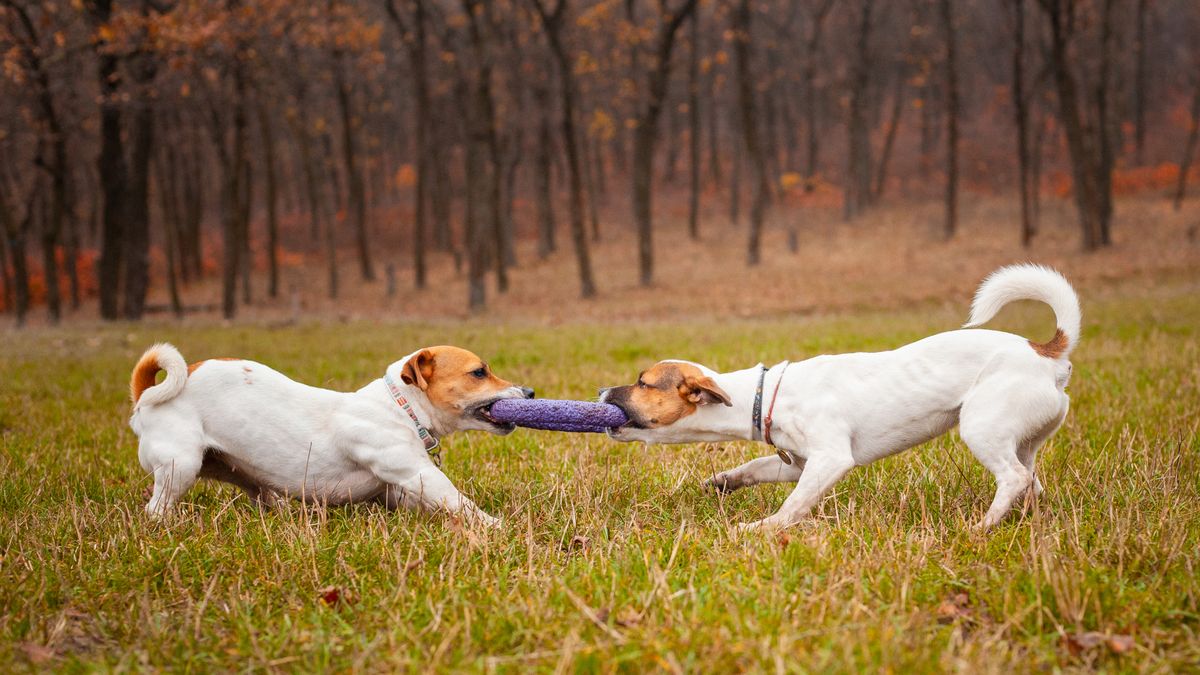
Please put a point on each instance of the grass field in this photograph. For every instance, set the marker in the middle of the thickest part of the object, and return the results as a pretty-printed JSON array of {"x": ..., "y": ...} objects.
[{"x": 612, "y": 555}]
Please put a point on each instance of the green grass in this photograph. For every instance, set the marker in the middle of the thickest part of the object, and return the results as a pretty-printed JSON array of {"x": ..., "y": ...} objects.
[{"x": 612, "y": 556}]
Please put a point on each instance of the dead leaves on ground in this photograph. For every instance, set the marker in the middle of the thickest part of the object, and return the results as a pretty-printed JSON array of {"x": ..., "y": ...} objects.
[
  {"x": 336, "y": 596},
  {"x": 1082, "y": 644}
]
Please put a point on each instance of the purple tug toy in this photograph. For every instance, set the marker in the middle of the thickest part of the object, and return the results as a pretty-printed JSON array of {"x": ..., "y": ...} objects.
[{"x": 575, "y": 416}]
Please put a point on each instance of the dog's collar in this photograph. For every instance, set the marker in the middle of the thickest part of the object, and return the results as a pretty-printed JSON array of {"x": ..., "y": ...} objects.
[
  {"x": 430, "y": 441},
  {"x": 762, "y": 426},
  {"x": 756, "y": 412}
]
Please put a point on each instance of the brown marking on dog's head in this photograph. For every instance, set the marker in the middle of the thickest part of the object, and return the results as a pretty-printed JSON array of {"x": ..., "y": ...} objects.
[
  {"x": 665, "y": 393},
  {"x": 458, "y": 381},
  {"x": 1054, "y": 348}
]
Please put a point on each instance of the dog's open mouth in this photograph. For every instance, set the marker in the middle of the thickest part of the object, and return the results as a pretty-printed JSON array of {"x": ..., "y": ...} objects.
[{"x": 483, "y": 412}]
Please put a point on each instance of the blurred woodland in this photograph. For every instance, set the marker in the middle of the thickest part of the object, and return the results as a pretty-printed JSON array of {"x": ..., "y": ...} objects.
[{"x": 151, "y": 147}]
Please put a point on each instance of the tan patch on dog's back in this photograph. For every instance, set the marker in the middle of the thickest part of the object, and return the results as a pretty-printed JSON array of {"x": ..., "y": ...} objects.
[
  {"x": 1054, "y": 348},
  {"x": 192, "y": 367}
]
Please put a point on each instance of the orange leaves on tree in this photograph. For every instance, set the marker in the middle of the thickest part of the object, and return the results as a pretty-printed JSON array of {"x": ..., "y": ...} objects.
[{"x": 406, "y": 176}]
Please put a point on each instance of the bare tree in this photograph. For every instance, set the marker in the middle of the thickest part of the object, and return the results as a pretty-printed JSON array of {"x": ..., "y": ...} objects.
[
  {"x": 812, "y": 48},
  {"x": 740, "y": 26},
  {"x": 413, "y": 34},
  {"x": 694, "y": 127},
  {"x": 950, "y": 224},
  {"x": 552, "y": 23},
  {"x": 1189, "y": 149},
  {"x": 1088, "y": 130},
  {"x": 646, "y": 134},
  {"x": 858, "y": 171}
]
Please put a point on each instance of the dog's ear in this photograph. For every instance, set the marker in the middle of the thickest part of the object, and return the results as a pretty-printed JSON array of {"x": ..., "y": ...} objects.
[
  {"x": 702, "y": 390},
  {"x": 418, "y": 369}
]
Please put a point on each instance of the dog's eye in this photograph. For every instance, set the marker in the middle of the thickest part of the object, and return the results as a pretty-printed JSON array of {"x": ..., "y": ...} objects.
[
  {"x": 479, "y": 372},
  {"x": 641, "y": 384}
]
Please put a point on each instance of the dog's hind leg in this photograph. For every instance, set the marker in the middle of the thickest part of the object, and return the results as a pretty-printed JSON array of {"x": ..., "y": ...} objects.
[
  {"x": 1027, "y": 452},
  {"x": 216, "y": 467},
  {"x": 996, "y": 421},
  {"x": 174, "y": 474},
  {"x": 762, "y": 470}
]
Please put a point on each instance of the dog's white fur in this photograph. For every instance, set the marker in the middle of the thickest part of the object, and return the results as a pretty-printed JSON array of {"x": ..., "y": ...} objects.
[
  {"x": 837, "y": 412},
  {"x": 242, "y": 422}
]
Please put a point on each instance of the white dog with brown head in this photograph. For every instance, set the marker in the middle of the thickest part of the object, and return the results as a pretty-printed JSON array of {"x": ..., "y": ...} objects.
[
  {"x": 829, "y": 414},
  {"x": 243, "y": 423}
]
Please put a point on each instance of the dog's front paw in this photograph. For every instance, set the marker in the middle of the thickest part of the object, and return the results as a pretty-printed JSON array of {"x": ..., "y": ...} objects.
[
  {"x": 764, "y": 525},
  {"x": 487, "y": 522},
  {"x": 721, "y": 483}
]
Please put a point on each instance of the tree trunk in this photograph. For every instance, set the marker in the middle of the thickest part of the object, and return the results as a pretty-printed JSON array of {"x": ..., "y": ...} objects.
[
  {"x": 193, "y": 196},
  {"x": 735, "y": 183},
  {"x": 331, "y": 222},
  {"x": 740, "y": 27},
  {"x": 245, "y": 208},
  {"x": 414, "y": 37},
  {"x": 271, "y": 196},
  {"x": 137, "y": 224},
  {"x": 513, "y": 154},
  {"x": 543, "y": 176},
  {"x": 111, "y": 167},
  {"x": 950, "y": 225},
  {"x": 1189, "y": 150},
  {"x": 20, "y": 265},
  {"x": 812, "y": 49},
  {"x": 858, "y": 173},
  {"x": 592, "y": 169},
  {"x": 694, "y": 128},
  {"x": 354, "y": 181},
  {"x": 15, "y": 232},
  {"x": 1021, "y": 119},
  {"x": 889, "y": 138},
  {"x": 567, "y": 93},
  {"x": 169, "y": 215},
  {"x": 714, "y": 129},
  {"x": 232, "y": 161},
  {"x": 1139, "y": 85},
  {"x": 1087, "y": 157},
  {"x": 646, "y": 137},
  {"x": 312, "y": 185}
]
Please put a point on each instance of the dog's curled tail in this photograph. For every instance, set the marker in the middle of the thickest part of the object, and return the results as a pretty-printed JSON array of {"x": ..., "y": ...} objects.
[
  {"x": 1031, "y": 282},
  {"x": 142, "y": 389}
]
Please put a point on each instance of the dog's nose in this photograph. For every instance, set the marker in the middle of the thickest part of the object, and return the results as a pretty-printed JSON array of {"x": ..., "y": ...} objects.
[{"x": 528, "y": 393}]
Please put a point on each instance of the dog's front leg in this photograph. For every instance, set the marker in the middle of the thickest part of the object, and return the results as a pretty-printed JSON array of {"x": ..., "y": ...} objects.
[
  {"x": 827, "y": 464},
  {"x": 421, "y": 485},
  {"x": 762, "y": 470}
]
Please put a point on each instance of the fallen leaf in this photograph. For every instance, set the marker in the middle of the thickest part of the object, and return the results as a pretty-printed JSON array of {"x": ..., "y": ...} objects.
[
  {"x": 334, "y": 596},
  {"x": 628, "y": 617},
  {"x": 1120, "y": 644},
  {"x": 957, "y": 606},
  {"x": 37, "y": 654},
  {"x": 602, "y": 614},
  {"x": 784, "y": 538},
  {"x": 578, "y": 543},
  {"x": 1078, "y": 643}
]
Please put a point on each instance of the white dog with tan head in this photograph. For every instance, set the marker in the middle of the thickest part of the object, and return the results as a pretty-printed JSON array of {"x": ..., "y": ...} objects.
[
  {"x": 240, "y": 422},
  {"x": 829, "y": 414}
]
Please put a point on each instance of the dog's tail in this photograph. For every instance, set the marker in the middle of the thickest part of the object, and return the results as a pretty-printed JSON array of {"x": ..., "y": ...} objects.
[
  {"x": 1031, "y": 282},
  {"x": 142, "y": 389}
]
